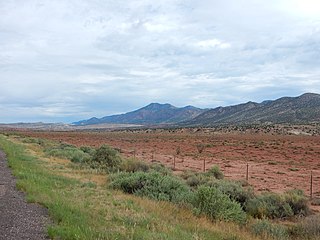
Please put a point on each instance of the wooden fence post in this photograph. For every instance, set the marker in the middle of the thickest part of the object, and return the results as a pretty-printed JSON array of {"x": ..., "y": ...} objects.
[
  {"x": 311, "y": 185},
  {"x": 247, "y": 172},
  {"x": 204, "y": 165}
]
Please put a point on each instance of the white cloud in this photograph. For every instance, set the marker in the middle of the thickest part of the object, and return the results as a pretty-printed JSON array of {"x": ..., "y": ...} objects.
[{"x": 213, "y": 43}]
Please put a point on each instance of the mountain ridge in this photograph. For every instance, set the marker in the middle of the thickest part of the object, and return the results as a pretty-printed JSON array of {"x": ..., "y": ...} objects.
[
  {"x": 153, "y": 113},
  {"x": 301, "y": 109}
]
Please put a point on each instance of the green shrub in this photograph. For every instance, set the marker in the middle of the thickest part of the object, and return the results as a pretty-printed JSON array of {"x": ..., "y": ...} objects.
[
  {"x": 217, "y": 205},
  {"x": 69, "y": 152},
  {"x": 186, "y": 174},
  {"x": 33, "y": 140},
  {"x": 234, "y": 190},
  {"x": 153, "y": 185},
  {"x": 309, "y": 228},
  {"x": 265, "y": 229},
  {"x": 132, "y": 165},
  {"x": 297, "y": 201},
  {"x": 215, "y": 172},
  {"x": 106, "y": 158},
  {"x": 193, "y": 181},
  {"x": 91, "y": 151},
  {"x": 269, "y": 205},
  {"x": 158, "y": 167}
]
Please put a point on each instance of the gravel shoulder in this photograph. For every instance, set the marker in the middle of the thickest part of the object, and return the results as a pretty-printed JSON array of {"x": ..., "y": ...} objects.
[{"x": 19, "y": 220}]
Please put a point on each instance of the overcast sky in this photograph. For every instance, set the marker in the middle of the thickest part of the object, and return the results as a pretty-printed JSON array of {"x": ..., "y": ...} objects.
[{"x": 62, "y": 61}]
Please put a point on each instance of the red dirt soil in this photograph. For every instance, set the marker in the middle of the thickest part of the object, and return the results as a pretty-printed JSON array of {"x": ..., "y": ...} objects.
[{"x": 276, "y": 162}]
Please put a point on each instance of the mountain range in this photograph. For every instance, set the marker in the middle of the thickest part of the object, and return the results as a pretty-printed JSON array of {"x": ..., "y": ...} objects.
[
  {"x": 295, "y": 110},
  {"x": 153, "y": 114}
]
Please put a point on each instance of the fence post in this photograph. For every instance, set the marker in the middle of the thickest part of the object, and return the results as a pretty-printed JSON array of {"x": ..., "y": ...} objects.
[
  {"x": 174, "y": 162},
  {"x": 247, "y": 172},
  {"x": 311, "y": 185},
  {"x": 204, "y": 165}
]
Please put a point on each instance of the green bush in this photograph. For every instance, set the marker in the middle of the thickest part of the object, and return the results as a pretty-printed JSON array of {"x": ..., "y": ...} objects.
[
  {"x": 272, "y": 205},
  {"x": 193, "y": 181},
  {"x": 297, "y": 201},
  {"x": 69, "y": 152},
  {"x": 132, "y": 165},
  {"x": 234, "y": 190},
  {"x": 33, "y": 140},
  {"x": 309, "y": 228},
  {"x": 91, "y": 151},
  {"x": 106, "y": 158},
  {"x": 158, "y": 167},
  {"x": 215, "y": 172},
  {"x": 269, "y": 205},
  {"x": 265, "y": 229},
  {"x": 217, "y": 205},
  {"x": 153, "y": 185}
]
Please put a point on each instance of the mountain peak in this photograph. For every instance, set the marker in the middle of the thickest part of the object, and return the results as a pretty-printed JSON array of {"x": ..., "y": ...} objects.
[
  {"x": 159, "y": 105},
  {"x": 309, "y": 95},
  {"x": 154, "y": 113}
]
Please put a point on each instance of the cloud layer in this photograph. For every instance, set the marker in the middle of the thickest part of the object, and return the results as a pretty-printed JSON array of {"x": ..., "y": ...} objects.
[{"x": 69, "y": 60}]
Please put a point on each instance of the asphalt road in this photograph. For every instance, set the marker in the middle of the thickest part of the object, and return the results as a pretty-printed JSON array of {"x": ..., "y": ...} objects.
[{"x": 19, "y": 220}]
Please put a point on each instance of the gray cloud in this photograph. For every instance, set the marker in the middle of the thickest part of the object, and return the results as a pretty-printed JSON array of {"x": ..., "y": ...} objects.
[{"x": 68, "y": 60}]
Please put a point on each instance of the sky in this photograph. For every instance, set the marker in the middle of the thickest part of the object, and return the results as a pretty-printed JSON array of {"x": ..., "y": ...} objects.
[{"x": 63, "y": 61}]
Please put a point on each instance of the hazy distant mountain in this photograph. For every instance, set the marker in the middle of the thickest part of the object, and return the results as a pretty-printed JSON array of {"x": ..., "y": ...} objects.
[
  {"x": 154, "y": 113},
  {"x": 302, "y": 109}
]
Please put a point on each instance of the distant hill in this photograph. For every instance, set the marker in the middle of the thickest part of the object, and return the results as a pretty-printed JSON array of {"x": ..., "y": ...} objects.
[
  {"x": 295, "y": 110},
  {"x": 154, "y": 113}
]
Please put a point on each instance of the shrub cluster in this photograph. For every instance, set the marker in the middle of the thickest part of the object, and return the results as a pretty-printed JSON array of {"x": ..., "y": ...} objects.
[
  {"x": 309, "y": 228},
  {"x": 234, "y": 190},
  {"x": 206, "y": 193},
  {"x": 152, "y": 184},
  {"x": 271, "y": 205},
  {"x": 215, "y": 172},
  {"x": 195, "y": 179},
  {"x": 217, "y": 205},
  {"x": 69, "y": 152},
  {"x": 106, "y": 158},
  {"x": 265, "y": 229},
  {"x": 132, "y": 165}
]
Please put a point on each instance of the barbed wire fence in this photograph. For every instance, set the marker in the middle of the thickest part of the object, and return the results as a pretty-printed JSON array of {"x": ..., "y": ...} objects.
[{"x": 247, "y": 171}]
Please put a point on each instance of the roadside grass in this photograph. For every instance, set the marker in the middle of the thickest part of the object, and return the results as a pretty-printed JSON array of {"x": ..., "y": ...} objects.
[{"x": 82, "y": 207}]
